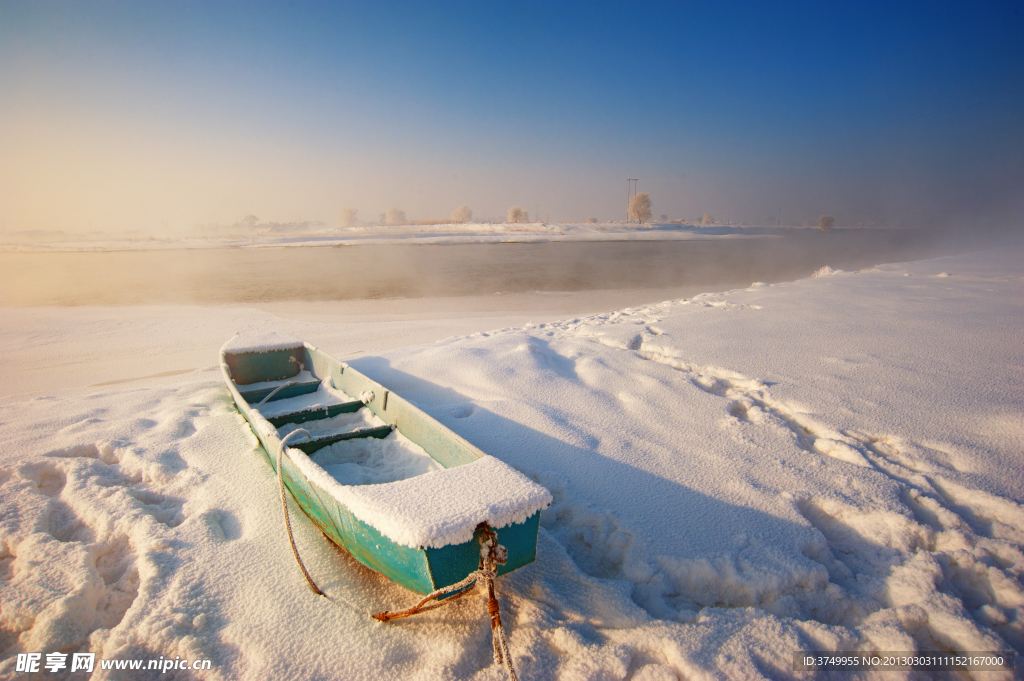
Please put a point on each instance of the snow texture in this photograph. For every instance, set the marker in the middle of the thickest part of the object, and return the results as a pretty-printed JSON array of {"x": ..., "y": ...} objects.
[
  {"x": 372, "y": 461},
  {"x": 260, "y": 342},
  {"x": 342, "y": 423},
  {"x": 835, "y": 463},
  {"x": 439, "y": 508}
]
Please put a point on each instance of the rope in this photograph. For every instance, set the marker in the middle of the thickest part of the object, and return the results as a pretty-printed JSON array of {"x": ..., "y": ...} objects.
[
  {"x": 491, "y": 554},
  {"x": 275, "y": 391},
  {"x": 284, "y": 508},
  {"x": 280, "y": 387}
]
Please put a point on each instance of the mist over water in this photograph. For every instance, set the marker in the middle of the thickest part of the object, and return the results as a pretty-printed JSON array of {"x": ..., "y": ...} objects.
[{"x": 260, "y": 275}]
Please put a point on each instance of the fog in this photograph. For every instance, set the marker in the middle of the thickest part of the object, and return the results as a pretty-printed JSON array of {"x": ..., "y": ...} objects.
[{"x": 258, "y": 275}]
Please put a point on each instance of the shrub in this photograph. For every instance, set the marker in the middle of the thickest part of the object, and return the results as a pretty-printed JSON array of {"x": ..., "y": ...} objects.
[
  {"x": 640, "y": 207},
  {"x": 249, "y": 221},
  {"x": 826, "y": 222},
  {"x": 708, "y": 219},
  {"x": 394, "y": 216},
  {"x": 462, "y": 214},
  {"x": 517, "y": 214},
  {"x": 591, "y": 221}
]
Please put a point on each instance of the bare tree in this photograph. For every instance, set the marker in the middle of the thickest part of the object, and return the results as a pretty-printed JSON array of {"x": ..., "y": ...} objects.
[
  {"x": 249, "y": 221},
  {"x": 708, "y": 219},
  {"x": 394, "y": 216},
  {"x": 591, "y": 221},
  {"x": 826, "y": 223},
  {"x": 462, "y": 214},
  {"x": 517, "y": 214},
  {"x": 348, "y": 217},
  {"x": 640, "y": 207}
]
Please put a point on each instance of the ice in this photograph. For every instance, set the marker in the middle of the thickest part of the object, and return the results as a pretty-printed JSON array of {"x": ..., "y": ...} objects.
[{"x": 712, "y": 511}]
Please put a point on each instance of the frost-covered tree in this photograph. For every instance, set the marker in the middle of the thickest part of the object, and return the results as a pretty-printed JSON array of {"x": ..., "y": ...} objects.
[
  {"x": 517, "y": 214},
  {"x": 394, "y": 216},
  {"x": 462, "y": 214},
  {"x": 591, "y": 221},
  {"x": 249, "y": 221},
  {"x": 640, "y": 207},
  {"x": 348, "y": 217},
  {"x": 708, "y": 219},
  {"x": 826, "y": 223}
]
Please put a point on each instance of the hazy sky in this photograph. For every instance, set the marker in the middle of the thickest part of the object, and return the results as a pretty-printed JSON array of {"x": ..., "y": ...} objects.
[{"x": 135, "y": 115}]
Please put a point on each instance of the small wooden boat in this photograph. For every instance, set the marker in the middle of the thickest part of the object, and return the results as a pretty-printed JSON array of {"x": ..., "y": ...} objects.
[{"x": 403, "y": 494}]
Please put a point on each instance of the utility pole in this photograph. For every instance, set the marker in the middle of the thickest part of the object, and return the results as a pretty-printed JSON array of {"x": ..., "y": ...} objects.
[{"x": 630, "y": 193}]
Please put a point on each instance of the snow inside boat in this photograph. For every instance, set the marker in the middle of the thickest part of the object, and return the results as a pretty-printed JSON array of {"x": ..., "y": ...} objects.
[{"x": 399, "y": 491}]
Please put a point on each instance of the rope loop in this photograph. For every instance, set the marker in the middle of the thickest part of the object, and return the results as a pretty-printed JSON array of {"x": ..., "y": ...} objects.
[{"x": 284, "y": 508}]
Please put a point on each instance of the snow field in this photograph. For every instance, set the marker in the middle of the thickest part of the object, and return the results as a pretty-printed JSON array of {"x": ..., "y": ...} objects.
[{"x": 833, "y": 463}]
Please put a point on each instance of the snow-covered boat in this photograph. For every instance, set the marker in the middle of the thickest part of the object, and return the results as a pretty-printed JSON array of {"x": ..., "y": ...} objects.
[{"x": 399, "y": 491}]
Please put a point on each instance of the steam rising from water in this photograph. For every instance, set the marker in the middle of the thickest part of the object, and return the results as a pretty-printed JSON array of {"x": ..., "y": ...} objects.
[{"x": 366, "y": 272}]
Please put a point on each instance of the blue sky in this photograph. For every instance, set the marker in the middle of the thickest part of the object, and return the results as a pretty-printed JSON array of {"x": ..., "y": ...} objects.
[{"x": 164, "y": 115}]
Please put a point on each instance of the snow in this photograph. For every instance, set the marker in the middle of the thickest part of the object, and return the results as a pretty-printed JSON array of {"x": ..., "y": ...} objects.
[
  {"x": 372, "y": 461},
  {"x": 324, "y": 396},
  {"x": 260, "y": 342},
  {"x": 342, "y": 423},
  {"x": 440, "y": 507},
  {"x": 833, "y": 463}
]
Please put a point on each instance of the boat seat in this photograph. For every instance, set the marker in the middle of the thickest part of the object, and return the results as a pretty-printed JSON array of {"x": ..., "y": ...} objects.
[
  {"x": 310, "y": 446},
  {"x": 315, "y": 413}
]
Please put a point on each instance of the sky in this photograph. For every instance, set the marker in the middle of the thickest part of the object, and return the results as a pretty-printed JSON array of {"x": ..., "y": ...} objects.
[{"x": 165, "y": 116}]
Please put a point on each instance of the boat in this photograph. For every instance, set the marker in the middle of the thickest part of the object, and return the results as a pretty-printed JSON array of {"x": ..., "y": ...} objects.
[{"x": 399, "y": 491}]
